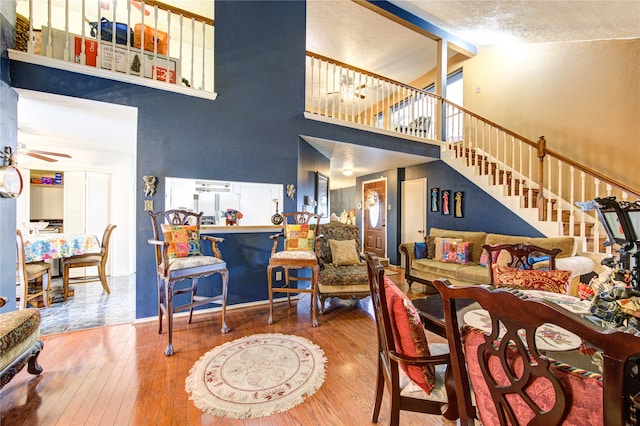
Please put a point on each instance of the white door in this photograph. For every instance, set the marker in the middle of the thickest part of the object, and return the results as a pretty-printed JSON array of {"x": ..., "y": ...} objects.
[
  {"x": 414, "y": 211},
  {"x": 87, "y": 207},
  {"x": 74, "y": 215}
]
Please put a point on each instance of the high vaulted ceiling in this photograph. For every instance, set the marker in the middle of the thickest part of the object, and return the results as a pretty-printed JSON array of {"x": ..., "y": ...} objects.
[{"x": 346, "y": 31}]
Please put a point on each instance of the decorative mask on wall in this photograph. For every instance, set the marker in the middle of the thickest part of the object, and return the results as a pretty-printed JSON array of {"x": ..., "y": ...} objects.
[{"x": 149, "y": 185}]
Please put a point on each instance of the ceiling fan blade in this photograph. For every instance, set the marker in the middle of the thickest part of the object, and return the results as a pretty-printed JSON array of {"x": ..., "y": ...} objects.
[
  {"x": 362, "y": 86},
  {"x": 40, "y": 157},
  {"x": 333, "y": 93},
  {"x": 359, "y": 95},
  {"x": 57, "y": 154}
]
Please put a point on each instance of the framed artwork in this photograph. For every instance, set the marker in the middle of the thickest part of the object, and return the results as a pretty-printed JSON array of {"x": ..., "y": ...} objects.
[
  {"x": 322, "y": 194},
  {"x": 446, "y": 201},
  {"x": 458, "y": 204},
  {"x": 435, "y": 199}
]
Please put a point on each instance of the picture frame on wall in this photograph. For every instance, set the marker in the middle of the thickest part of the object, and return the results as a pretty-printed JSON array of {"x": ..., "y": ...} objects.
[
  {"x": 322, "y": 194},
  {"x": 458, "y": 204},
  {"x": 446, "y": 201},
  {"x": 435, "y": 199}
]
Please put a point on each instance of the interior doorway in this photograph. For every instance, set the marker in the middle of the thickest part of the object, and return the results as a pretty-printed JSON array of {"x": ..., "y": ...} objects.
[
  {"x": 414, "y": 211},
  {"x": 101, "y": 139},
  {"x": 374, "y": 217}
]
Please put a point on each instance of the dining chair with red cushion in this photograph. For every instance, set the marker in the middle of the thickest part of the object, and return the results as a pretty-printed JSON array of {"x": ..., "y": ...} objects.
[
  {"x": 415, "y": 372},
  {"x": 514, "y": 381}
]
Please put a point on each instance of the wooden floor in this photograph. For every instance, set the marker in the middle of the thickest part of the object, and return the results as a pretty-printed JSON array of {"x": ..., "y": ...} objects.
[{"x": 118, "y": 375}]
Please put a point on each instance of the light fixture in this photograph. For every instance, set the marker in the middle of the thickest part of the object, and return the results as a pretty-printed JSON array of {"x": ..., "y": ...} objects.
[{"x": 347, "y": 172}]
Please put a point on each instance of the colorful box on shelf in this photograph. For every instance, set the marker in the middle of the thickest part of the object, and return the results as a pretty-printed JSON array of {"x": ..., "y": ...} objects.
[
  {"x": 158, "y": 67},
  {"x": 46, "y": 180},
  {"x": 36, "y": 180}
]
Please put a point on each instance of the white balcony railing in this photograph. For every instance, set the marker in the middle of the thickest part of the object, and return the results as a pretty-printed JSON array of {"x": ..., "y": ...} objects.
[
  {"x": 340, "y": 91},
  {"x": 155, "y": 43}
]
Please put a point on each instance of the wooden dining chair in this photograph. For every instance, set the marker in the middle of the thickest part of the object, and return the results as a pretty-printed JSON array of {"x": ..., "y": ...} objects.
[
  {"x": 300, "y": 236},
  {"x": 416, "y": 373},
  {"x": 87, "y": 260},
  {"x": 515, "y": 382},
  {"x": 34, "y": 278}
]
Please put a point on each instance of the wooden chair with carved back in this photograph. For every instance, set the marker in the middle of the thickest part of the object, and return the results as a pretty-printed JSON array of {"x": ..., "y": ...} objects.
[
  {"x": 513, "y": 381},
  {"x": 415, "y": 372},
  {"x": 34, "y": 278},
  {"x": 300, "y": 235},
  {"x": 179, "y": 256}
]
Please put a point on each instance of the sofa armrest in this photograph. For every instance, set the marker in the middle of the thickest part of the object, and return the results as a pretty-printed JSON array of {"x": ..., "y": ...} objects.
[
  {"x": 578, "y": 265},
  {"x": 409, "y": 252}
]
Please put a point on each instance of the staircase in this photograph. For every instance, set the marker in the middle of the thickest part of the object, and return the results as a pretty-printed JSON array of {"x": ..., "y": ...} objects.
[{"x": 549, "y": 214}]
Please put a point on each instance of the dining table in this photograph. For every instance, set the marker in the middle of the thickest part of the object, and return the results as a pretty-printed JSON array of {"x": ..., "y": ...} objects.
[{"x": 51, "y": 246}]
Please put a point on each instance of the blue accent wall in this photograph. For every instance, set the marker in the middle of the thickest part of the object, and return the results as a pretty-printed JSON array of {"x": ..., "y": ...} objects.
[{"x": 481, "y": 211}]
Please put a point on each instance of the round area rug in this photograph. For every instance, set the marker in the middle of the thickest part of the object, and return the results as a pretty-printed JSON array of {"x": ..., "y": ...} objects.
[{"x": 256, "y": 376}]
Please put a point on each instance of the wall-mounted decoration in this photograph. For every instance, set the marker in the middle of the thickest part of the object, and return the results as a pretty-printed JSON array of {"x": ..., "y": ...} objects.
[
  {"x": 291, "y": 191},
  {"x": 435, "y": 202},
  {"x": 10, "y": 177},
  {"x": 446, "y": 201},
  {"x": 148, "y": 205},
  {"x": 277, "y": 218},
  {"x": 149, "y": 185},
  {"x": 322, "y": 194},
  {"x": 359, "y": 205},
  {"x": 458, "y": 204}
]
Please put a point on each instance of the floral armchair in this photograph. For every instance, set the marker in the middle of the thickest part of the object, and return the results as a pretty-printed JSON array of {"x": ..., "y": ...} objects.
[{"x": 343, "y": 271}]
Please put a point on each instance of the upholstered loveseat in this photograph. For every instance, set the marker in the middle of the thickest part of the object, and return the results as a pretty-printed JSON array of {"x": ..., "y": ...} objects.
[
  {"x": 19, "y": 342},
  {"x": 347, "y": 277},
  {"x": 425, "y": 270}
]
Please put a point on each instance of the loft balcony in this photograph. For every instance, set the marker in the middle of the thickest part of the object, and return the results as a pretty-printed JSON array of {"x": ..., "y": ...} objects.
[{"x": 156, "y": 44}]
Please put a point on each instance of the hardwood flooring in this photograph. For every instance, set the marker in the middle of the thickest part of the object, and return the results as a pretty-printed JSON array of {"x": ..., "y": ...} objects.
[{"x": 118, "y": 375}]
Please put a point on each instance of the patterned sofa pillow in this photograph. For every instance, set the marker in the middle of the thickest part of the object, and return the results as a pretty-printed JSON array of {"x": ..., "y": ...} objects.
[{"x": 556, "y": 281}]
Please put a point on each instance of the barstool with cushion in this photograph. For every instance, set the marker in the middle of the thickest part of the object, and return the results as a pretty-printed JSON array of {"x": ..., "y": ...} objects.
[
  {"x": 300, "y": 244},
  {"x": 27, "y": 272},
  {"x": 99, "y": 260},
  {"x": 178, "y": 255}
]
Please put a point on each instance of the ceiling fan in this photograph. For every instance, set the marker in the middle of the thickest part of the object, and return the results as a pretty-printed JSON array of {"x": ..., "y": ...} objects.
[
  {"x": 40, "y": 155},
  {"x": 348, "y": 90}
]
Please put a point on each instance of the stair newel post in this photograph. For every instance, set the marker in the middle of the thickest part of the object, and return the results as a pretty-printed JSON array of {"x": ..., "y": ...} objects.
[{"x": 541, "y": 146}]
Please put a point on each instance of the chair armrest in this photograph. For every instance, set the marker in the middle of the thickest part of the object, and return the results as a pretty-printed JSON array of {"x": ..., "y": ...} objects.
[
  {"x": 420, "y": 361},
  {"x": 275, "y": 238},
  {"x": 211, "y": 238},
  {"x": 214, "y": 244}
]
